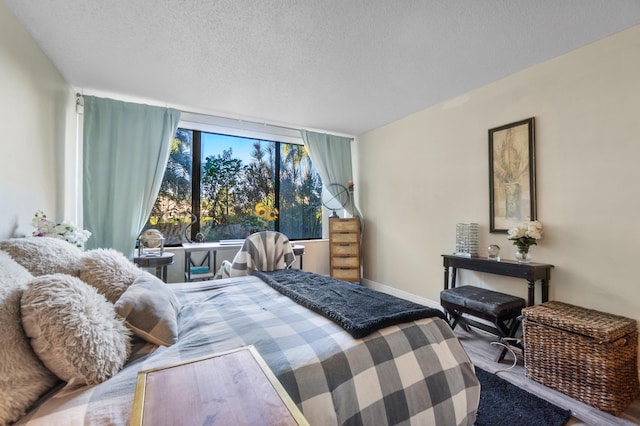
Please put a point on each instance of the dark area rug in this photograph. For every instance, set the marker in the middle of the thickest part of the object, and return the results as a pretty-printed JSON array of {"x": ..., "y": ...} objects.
[{"x": 502, "y": 403}]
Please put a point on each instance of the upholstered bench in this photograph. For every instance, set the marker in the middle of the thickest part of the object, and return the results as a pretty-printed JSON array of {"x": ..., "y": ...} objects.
[{"x": 502, "y": 310}]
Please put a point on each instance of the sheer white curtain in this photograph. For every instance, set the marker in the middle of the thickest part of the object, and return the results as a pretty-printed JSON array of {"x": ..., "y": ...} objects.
[
  {"x": 331, "y": 157},
  {"x": 125, "y": 152}
]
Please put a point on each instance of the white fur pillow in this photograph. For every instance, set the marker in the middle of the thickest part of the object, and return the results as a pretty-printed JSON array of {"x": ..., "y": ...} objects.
[
  {"x": 74, "y": 329},
  {"x": 150, "y": 309},
  {"x": 44, "y": 255},
  {"x": 23, "y": 378},
  {"x": 109, "y": 271}
]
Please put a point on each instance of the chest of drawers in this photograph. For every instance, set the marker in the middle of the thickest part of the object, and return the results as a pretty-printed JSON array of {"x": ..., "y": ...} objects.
[{"x": 344, "y": 248}]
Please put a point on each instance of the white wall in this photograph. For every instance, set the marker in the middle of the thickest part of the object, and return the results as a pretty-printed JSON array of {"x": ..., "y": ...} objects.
[
  {"x": 419, "y": 176},
  {"x": 36, "y": 108}
]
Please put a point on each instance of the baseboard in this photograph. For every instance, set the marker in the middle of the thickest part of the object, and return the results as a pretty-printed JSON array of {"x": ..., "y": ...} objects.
[{"x": 400, "y": 293}]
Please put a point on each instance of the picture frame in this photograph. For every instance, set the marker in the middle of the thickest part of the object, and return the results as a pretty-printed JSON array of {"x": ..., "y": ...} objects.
[{"x": 512, "y": 175}]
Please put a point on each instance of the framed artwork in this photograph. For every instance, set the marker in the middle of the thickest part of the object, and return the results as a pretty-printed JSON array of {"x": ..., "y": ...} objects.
[{"x": 512, "y": 183}]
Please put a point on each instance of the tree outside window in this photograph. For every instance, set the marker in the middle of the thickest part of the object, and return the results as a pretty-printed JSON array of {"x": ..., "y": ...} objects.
[{"x": 236, "y": 176}]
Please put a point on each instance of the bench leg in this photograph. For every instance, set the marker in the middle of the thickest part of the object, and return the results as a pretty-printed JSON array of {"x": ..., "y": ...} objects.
[
  {"x": 453, "y": 317},
  {"x": 503, "y": 352},
  {"x": 456, "y": 318},
  {"x": 510, "y": 338}
]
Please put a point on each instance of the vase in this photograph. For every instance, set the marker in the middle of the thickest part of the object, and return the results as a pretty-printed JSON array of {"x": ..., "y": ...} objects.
[
  {"x": 512, "y": 197},
  {"x": 522, "y": 255}
]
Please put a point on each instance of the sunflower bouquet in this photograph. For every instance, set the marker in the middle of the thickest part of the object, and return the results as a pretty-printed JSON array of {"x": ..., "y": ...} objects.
[{"x": 266, "y": 214}]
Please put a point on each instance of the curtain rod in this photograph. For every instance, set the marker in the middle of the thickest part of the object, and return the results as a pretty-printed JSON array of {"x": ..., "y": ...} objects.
[
  {"x": 240, "y": 120},
  {"x": 80, "y": 108},
  {"x": 263, "y": 123}
]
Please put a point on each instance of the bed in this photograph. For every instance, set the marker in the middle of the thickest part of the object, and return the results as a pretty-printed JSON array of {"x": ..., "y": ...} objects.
[{"x": 414, "y": 372}]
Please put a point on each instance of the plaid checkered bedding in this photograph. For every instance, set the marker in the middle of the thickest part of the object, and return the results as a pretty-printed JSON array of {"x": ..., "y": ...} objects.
[{"x": 412, "y": 373}]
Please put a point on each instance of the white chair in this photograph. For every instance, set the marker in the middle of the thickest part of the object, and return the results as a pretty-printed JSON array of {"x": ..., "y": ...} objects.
[{"x": 262, "y": 251}]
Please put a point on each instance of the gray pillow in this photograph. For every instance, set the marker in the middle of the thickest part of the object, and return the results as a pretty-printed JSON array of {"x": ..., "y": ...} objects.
[
  {"x": 109, "y": 271},
  {"x": 74, "y": 330},
  {"x": 150, "y": 309},
  {"x": 23, "y": 378},
  {"x": 44, "y": 255}
]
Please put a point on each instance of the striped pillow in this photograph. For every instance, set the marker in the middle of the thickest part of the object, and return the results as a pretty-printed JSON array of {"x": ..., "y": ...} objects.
[{"x": 150, "y": 309}]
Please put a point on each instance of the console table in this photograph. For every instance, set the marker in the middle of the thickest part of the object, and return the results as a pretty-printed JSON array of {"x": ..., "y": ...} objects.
[
  {"x": 531, "y": 272},
  {"x": 211, "y": 250}
]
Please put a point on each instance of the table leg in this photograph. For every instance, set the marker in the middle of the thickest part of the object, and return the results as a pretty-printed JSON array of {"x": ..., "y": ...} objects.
[
  {"x": 446, "y": 277},
  {"x": 531, "y": 285},
  {"x": 163, "y": 276},
  {"x": 187, "y": 265},
  {"x": 545, "y": 291}
]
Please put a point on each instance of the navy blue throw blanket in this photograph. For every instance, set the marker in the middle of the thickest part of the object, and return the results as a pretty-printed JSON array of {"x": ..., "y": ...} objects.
[{"x": 357, "y": 309}]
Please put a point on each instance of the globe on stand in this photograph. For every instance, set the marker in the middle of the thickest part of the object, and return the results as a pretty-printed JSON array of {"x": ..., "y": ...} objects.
[{"x": 494, "y": 252}]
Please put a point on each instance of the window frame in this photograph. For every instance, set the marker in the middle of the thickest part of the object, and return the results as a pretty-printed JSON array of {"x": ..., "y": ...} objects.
[{"x": 196, "y": 165}]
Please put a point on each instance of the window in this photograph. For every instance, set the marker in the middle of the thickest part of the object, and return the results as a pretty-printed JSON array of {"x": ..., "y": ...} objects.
[{"x": 227, "y": 187}]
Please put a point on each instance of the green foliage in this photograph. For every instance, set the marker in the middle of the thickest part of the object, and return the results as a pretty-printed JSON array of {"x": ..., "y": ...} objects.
[
  {"x": 230, "y": 190},
  {"x": 174, "y": 198},
  {"x": 220, "y": 177},
  {"x": 258, "y": 183},
  {"x": 300, "y": 191}
]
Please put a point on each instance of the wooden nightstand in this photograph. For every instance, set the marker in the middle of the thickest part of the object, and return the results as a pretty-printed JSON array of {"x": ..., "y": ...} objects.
[{"x": 229, "y": 388}]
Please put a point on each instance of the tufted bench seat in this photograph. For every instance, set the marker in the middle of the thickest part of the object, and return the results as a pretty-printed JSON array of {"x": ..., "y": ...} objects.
[{"x": 502, "y": 310}]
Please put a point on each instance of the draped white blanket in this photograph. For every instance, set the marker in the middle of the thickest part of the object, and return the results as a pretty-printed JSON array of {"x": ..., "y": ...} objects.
[{"x": 263, "y": 251}]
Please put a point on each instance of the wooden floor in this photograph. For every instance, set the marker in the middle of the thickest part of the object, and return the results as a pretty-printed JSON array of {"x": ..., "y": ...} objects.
[{"x": 483, "y": 353}]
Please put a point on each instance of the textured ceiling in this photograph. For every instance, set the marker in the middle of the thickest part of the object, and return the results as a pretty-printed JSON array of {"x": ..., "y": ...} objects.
[{"x": 342, "y": 66}]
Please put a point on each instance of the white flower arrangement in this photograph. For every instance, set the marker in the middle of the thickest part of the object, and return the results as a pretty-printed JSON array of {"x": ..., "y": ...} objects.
[
  {"x": 63, "y": 231},
  {"x": 526, "y": 234}
]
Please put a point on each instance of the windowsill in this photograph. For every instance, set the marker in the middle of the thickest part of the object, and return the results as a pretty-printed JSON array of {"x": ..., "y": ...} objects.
[{"x": 299, "y": 242}]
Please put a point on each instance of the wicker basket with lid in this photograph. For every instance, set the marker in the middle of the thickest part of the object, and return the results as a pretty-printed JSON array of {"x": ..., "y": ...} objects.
[{"x": 589, "y": 355}]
